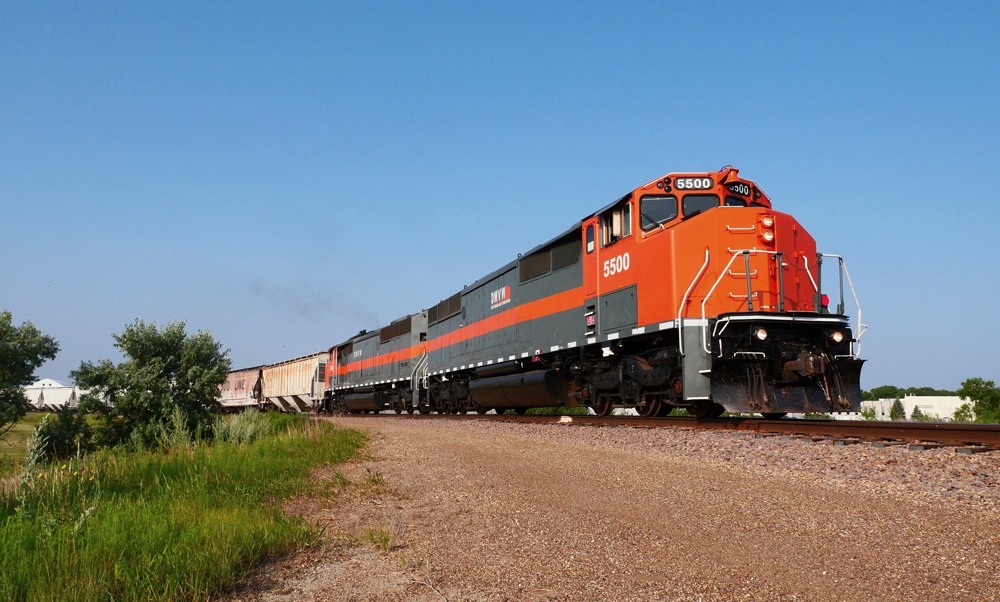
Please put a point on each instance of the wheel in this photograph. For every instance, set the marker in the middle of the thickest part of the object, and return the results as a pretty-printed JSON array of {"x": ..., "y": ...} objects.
[
  {"x": 652, "y": 408},
  {"x": 397, "y": 409},
  {"x": 603, "y": 407},
  {"x": 520, "y": 411},
  {"x": 445, "y": 408},
  {"x": 706, "y": 409},
  {"x": 424, "y": 410},
  {"x": 409, "y": 409},
  {"x": 481, "y": 410},
  {"x": 665, "y": 409},
  {"x": 774, "y": 415}
]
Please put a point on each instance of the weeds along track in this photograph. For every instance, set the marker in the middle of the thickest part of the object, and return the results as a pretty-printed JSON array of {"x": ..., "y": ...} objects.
[{"x": 987, "y": 436}]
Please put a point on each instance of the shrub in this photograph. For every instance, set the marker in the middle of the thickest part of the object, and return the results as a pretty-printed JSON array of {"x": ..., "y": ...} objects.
[
  {"x": 166, "y": 369},
  {"x": 246, "y": 427},
  {"x": 963, "y": 414},
  {"x": 868, "y": 413},
  {"x": 66, "y": 434}
]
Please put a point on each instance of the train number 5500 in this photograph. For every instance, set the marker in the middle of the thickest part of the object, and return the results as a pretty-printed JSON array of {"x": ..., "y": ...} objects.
[{"x": 616, "y": 265}]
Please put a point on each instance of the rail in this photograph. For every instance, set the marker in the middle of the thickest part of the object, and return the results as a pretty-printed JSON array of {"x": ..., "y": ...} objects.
[{"x": 946, "y": 433}]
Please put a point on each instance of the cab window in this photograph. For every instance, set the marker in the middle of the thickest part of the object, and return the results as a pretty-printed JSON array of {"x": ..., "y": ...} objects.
[
  {"x": 732, "y": 201},
  {"x": 590, "y": 239},
  {"x": 655, "y": 210},
  {"x": 693, "y": 204}
]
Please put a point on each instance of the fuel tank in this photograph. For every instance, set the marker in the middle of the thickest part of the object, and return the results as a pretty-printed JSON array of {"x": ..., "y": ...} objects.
[
  {"x": 542, "y": 388},
  {"x": 362, "y": 401}
]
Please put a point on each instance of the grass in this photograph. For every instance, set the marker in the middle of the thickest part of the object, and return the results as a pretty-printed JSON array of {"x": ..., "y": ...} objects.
[
  {"x": 378, "y": 537},
  {"x": 14, "y": 442},
  {"x": 179, "y": 524}
]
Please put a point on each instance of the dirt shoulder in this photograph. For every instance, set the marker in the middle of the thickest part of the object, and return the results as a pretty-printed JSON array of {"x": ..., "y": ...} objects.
[{"x": 486, "y": 511}]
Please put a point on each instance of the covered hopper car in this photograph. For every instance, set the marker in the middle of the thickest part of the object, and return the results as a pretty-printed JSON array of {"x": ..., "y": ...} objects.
[{"x": 690, "y": 291}]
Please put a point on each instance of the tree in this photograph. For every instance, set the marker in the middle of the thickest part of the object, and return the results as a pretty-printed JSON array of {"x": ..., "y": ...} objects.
[
  {"x": 886, "y": 392},
  {"x": 916, "y": 415},
  {"x": 165, "y": 369},
  {"x": 22, "y": 350},
  {"x": 64, "y": 435},
  {"x": 897, "y": 411},
  {"x": 985, "y": 398},
  {"x": 963, "y": 414}
]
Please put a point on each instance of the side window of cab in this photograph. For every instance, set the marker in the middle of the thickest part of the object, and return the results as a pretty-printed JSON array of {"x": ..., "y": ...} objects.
[{"x": 616, "y": 224}]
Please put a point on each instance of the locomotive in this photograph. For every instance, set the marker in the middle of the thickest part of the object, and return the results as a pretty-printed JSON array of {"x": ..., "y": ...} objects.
[{"x": 689, "y": 292}]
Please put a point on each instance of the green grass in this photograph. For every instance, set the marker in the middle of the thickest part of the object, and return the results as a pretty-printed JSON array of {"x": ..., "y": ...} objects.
[
  {"x": 13, "y": 443},
  {"x": 181, "y": 524}
]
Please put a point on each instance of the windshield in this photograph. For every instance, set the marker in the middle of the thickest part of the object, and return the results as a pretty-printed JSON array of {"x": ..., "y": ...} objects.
[
  {"x": 696, "y": 203},
  {"x": 655, "y": 210}
]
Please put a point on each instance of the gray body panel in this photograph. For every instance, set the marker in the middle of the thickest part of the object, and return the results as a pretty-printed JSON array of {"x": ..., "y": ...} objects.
[
  {"x": 696, "y": 365},
  {"x": 518, "y": 338},
  {"x": 618, "y": 310}
]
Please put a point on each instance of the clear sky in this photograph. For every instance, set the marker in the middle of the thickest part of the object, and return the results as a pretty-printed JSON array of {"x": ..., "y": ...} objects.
[{"x": 285, "y": 174}]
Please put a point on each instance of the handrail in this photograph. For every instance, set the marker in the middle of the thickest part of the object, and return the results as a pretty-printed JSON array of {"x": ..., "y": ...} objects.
[
  {"x": 805, "y": 260},
  {"x": 861, "y": 328},
  {"x": 680, "y": 323},
  {"x": 736, "y": 253}
]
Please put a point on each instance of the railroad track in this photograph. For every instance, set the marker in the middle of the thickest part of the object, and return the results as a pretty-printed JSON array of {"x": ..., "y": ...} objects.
[{"x": 969, "y": 438}]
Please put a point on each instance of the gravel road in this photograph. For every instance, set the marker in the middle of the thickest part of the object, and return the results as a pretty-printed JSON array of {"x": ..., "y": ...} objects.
[{"x": 496, "y": 511}]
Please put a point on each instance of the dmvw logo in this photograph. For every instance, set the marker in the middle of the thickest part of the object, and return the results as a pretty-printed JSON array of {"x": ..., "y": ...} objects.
[{"x": 500, "y": 297}]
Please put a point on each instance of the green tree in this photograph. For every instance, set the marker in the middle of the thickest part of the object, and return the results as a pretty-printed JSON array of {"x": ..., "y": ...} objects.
[
  {"x": 916, "y": 415},
  {"x": 963, "y": 414},
  {"x": 64, "y": 435},
  {"x": 985, "y": 398},
  {"x": 165, "y": 369},
  {"x": 886, "y": 392},
  {"x": 22, "y": 350},
  {"x": 868, "y": 413},
  {"x": 897, "y": 411}
]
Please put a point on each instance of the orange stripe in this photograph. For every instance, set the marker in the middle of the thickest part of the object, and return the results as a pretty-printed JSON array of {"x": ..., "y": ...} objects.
[{"x": 533, "y": 310}]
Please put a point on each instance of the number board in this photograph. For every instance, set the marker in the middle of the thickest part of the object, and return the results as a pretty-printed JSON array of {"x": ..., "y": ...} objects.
[
  {"x": 693, "y": 183},
  {"x": 740, "y": 188}
]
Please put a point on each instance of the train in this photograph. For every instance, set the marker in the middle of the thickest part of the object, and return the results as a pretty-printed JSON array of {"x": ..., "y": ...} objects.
[{"x": 689, "y": 292}]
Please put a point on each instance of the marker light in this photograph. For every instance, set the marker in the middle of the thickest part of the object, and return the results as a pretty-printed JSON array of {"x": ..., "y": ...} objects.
[
  {"x": 768, "y": 236},
  {"x": 768, "y": 221},
  {"x": 837, "y": 336},
  {"x": 761, "y": 334},
  {"x": 825, "y": 300}
]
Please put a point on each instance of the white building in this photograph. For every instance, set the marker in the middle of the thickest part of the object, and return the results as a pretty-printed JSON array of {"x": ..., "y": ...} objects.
[
  {"x": 942, "y": 406},
  {"x": 48, "y": 394}
]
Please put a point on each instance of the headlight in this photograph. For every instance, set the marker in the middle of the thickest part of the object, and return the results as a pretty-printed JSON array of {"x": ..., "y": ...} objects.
[
  {"x": 767, "y": 220},
  {"x": 837, "y": 336},
  {"x": 761, "y": 334},
  {"x": 768, "y": 236}
]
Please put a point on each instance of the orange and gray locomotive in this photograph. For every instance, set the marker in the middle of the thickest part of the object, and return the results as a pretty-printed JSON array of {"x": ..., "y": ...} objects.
[{"x": 690, "y": 292}]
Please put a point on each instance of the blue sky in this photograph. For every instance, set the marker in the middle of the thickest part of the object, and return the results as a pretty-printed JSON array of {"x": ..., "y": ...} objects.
[{"x": 286, "y": 174}]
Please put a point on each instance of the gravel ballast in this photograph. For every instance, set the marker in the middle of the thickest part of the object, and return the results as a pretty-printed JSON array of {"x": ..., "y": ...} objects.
[{"x": 482, "y": 510}]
